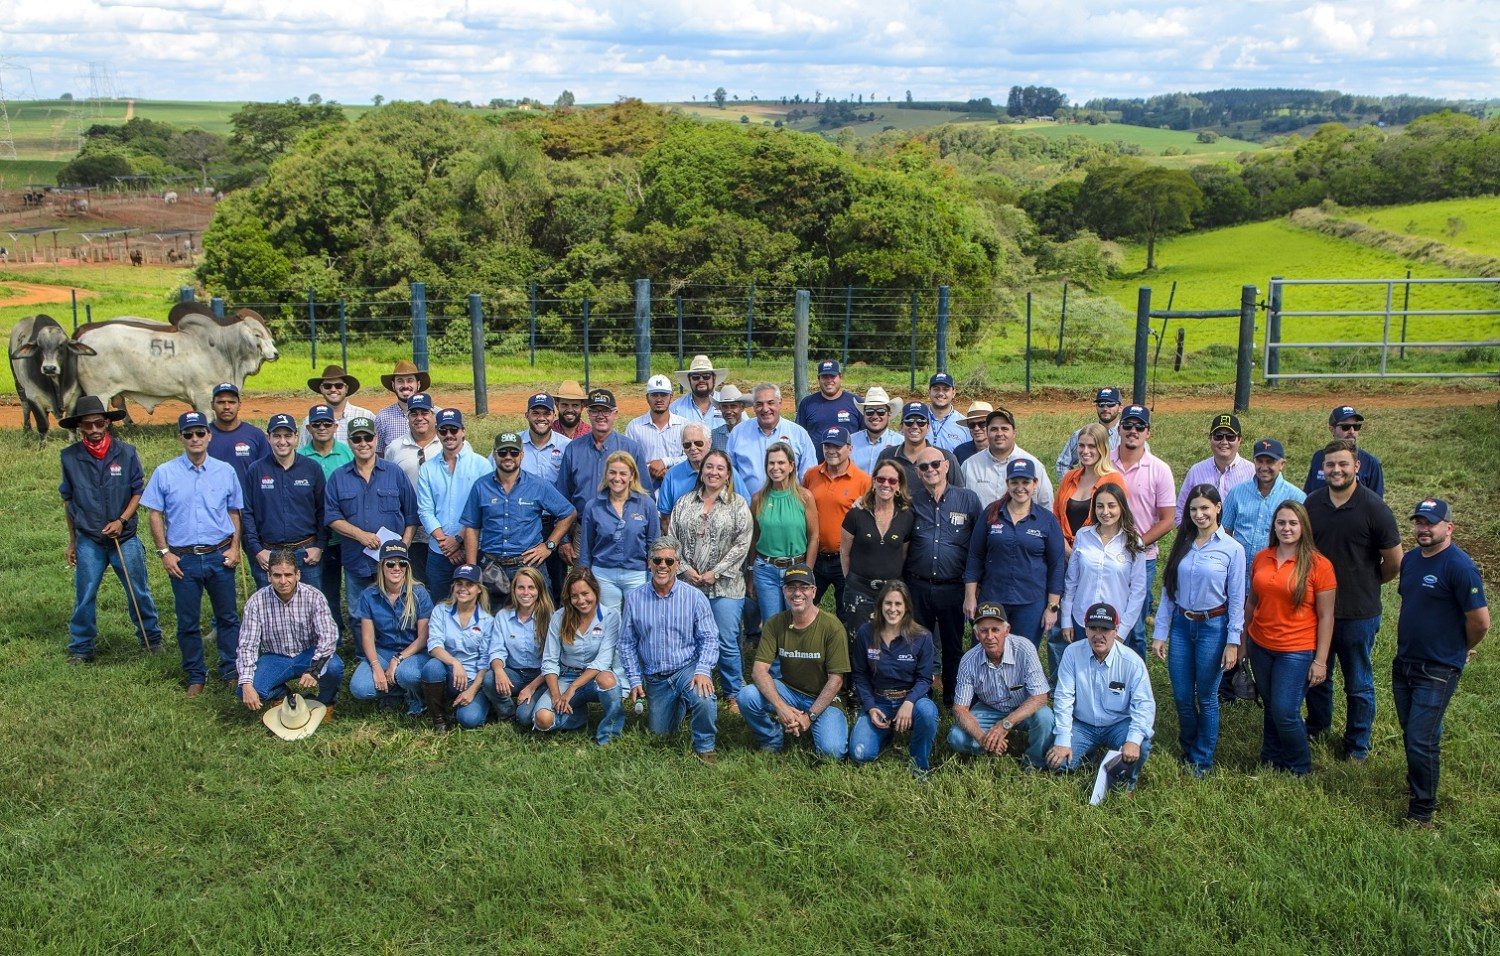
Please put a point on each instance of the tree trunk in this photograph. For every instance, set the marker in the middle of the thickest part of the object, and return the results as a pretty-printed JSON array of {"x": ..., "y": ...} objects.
[{"x": 1150, "y": 250}]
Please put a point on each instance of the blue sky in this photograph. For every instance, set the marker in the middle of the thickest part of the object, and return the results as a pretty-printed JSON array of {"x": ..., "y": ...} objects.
[{"x": 676, "y": 49}]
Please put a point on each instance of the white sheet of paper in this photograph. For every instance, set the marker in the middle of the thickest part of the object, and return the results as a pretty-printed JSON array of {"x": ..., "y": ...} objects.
[
  {"x": 1101, "y": 780},
  {"x": 384, "y": 534}
]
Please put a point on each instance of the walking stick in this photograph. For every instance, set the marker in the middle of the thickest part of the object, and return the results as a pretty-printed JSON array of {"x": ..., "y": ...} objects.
[{"x": 130, "y": 590}]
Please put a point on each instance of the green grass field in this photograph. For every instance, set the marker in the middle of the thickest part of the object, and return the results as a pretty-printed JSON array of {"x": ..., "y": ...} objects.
[
  {"x": 1471, "y": 224},
  {"x": 16, "y": 173},
  {"x": 138, "y": 820}
]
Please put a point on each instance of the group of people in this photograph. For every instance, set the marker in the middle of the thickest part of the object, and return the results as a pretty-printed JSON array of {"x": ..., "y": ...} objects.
[{"x": 580, "y": 563}]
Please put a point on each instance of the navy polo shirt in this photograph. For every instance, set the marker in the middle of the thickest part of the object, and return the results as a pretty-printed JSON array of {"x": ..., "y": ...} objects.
[
  {"x": 96, "y": 492},
  {"x": 817, "y": 414},
  {"x": 1016, "y": 562},
  {"x": 1436, "y": 594},
  {"x": 284, "y": 504},
  {"x": 385, "y": 501}
]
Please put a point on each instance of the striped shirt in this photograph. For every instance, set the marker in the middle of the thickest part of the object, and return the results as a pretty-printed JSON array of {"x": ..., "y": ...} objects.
[
  {"x": 662, "y": 634},
  {"x": 1206, "y": 472},
  {"x": 1003, "y": 686},
  {"x": 1102, "y": 693},
  {"x": 270, "y": 625}
]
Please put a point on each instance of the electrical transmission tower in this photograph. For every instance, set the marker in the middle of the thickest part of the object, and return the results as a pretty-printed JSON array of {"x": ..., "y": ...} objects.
[{"x": 7, "y": 136}]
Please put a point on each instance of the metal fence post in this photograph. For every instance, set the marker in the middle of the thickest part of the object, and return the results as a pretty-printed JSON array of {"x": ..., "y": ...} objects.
[
  {"x": 531, "y": 306},
  {"x": 1273, "y": 331},
  {"x": 74, "y": 294},
  {"x": 642, "y": 330},
  {"x": 1245, "y": 357},
  {"x": 678, "y": 299},
  {"x": 585, "y": 343},
  {"x": 1028, "y": 344},
  {"x": 1062, "y": 323},
  {"x": 343, "y": 334},
  {"x": 1405, "y": 308},
  {"x": 942, "y": 329},
  {"x": 1142, "y": 340},
  {"x": 1385, "y": 330},
  {"x": 185, "y": 294},
  {"x": 476, "y": 354},
  {"x": 912, "y": 360},
  {"x": 848, "y": 321},
  {"x": 312, "y": 325},
  {"x": 419, "y": 324},
  {"x": 749, "y": 323},
  {"x": 799, "y": 346},
  {"x": 216, "y": 306}
]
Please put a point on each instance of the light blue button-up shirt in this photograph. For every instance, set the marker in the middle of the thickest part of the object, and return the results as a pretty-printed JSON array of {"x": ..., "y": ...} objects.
[
  {"x": 543, "y": 461},
  {"x": 1103, "y": 572},
  {"x": 516, "y": 645},
  {"x": 1248, "y": 513},
  {"x": 1102, "y": 693},
  {"x": 688, "y": 409},
  {"x": 442, "y": 494},
  {"x": 594, "y": 646},
  {"x": 664, "y": 634},
  {"x": 469, "y": 644},
  {"x": 195, "y": 500},
  {"x": 747, "y": 450},
  {"x": 1209, "y": 576},
  {"x": 864, "y": 449},
  {"x": 949, "y": 432}
]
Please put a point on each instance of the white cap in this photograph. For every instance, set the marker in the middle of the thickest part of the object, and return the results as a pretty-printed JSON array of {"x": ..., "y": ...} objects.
[{"x": 659, "y": 384}]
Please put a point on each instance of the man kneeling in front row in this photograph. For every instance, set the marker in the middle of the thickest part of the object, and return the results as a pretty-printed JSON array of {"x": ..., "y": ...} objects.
[
  {"x": 287, "y": 633},
  {"x": 1001, "y": 689},
  {"x": 1103, "y": 699}
]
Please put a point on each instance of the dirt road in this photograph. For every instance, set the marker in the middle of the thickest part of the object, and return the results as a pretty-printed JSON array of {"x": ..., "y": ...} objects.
[{"x": 28, "y": 293}]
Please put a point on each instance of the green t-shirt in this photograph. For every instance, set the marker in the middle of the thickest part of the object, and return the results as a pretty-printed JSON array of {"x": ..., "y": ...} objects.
[
  {"x": 783, "y": 526},
  {"x": 807, "y": 656}
]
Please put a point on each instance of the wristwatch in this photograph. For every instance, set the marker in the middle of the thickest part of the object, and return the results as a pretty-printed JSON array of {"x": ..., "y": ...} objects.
[
  {"x": 1006, "y": 724},
  {"x": 162, "y": 552},
  {"x": 1054, "y": 608},
  {"x": 551, "y": 545}
]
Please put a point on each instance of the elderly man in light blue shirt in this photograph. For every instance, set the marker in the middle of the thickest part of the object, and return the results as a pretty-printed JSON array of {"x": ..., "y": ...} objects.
[
  {"x": 748, "y": 442},
  {"x": 669, "y": 644},
  {"x": 442, "y": 491},
  {"x": 1250, "y": 506},
  {"x": 1102, "y": 699}
]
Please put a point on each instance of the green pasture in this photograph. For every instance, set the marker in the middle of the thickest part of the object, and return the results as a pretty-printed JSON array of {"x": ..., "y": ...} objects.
[
  {"x": 138, "y": 820},
  {"x": 1471, "y": 224},
  {"x": 1151, "y": 140},
  {"x": 18, "y": 173}
]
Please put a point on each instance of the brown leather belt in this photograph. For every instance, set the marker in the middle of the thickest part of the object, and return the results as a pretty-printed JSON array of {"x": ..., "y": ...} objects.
[
  {"x": 894, "y": 694},
  {"x": 505, "y": 562},
  {"x": 782, "y": 563},
  {"x": 291, "y": 545},
  {"x": 1219, "y": 611},
  {"x": 204, "y": 548}
]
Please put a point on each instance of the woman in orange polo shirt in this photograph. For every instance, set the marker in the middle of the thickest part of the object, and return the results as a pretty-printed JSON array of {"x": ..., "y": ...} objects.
[
  {"x": 1290, "y": 613},
  {"x": 1075, "y": 493}
]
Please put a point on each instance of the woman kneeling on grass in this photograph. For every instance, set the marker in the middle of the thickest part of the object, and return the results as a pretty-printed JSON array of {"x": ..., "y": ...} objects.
[
  {"x": 462, "y": 645},
  {"x": 892, "y": 660},
  {"x": 520, "y": 635},
  {"x": 392, "y": 615},
  {"x": 1290, "y": 610},
  {"x": 576, "y": 660}
]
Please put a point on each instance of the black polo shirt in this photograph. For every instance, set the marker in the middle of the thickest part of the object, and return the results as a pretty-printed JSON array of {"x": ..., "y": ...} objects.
[{"x": 1352, "y": 537}]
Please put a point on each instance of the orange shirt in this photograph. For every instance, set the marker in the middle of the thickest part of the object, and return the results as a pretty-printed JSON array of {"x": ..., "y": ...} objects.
[
  {"x": 834, "y": 495},
  {"x": 1065, "y": 489},
  {"x": 1277, "y": 624}
]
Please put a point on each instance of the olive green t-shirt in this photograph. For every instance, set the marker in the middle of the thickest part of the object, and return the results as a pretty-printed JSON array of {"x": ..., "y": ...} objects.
[{"x": 807, "y": 656}]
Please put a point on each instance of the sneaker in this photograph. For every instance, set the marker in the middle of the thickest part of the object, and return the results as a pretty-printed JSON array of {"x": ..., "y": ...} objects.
[{"x": 1418, "y": 823}]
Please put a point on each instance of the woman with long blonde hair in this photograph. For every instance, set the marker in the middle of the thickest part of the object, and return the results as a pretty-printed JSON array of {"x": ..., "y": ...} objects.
[{"x": 392, "y": 616}]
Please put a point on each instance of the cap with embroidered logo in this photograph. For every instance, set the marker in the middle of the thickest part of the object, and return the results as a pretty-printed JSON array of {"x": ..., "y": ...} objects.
[
  {"x": 226, "y": 388},
  {"x": 829, "y": 367},
  {"x": 1101, "y": 615},
  {"x": 450, "y": 418},
  {"x": 1138, "y": 412},
  {"x": 541, "y": 400},
  {"x": 420, "y": 402},
  {"x": 320, "y": 413},
  {"x": 282, "y": 420},
  {"x": 602, "y": 397},
  {"x": 1433, "y": 509},
  {"x": 1269, "y": 448},
  {"x": 191, "y": 420},
  {"x": 834, "y": 435},
  {"x": 1020, "y": 468}
]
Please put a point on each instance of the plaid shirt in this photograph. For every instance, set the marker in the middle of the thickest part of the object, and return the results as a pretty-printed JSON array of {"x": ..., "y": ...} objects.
[{"x": 272, "y": 626}]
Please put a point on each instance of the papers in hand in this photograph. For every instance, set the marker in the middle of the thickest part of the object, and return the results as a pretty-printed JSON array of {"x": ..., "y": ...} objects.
[
  {"x": 384, "y": 534},
  {"x": 1101, "y": 780}
]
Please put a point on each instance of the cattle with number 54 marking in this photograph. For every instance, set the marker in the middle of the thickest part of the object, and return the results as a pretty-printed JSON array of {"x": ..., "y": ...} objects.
[{"x": 151, "y": 362}]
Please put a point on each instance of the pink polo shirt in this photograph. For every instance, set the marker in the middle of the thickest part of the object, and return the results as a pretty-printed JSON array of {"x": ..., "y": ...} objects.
[{"x": 1148, "y": 486}]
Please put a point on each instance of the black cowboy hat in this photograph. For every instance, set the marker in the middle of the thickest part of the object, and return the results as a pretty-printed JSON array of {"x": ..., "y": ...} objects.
[{"x": 90, "y": 405}]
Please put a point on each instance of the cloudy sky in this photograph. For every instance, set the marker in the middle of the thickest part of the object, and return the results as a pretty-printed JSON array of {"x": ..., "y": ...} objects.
[{"x": 350, "y": 50}]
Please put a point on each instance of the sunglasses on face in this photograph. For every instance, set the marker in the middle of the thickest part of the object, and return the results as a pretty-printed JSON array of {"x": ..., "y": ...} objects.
[
  {"x": 877, "y": 412},
  {"x": 599, "y": 412},
  {"x": 195, "y": 433},
  {"x": 1351, "y": 426},
  {"x": 448, "y": 430},
  {"x": 977, "y": 426},
  {"x": 694, "y": 444},
  {"x": 663, "y": 562},
  {"x": 914, "y": 422},
  {"x": 361, "y": 439},
  {"x": 929, "y": 465},
  {"x": 320, "y": 425},
  {"x": 887, "y": 480},
  {"x": 1133, "y": 427},
  {"x": 1225, "y": 436},
  {"x": 330, "y": 386},
  {"x": 701, "y": 377},
  {"x": 395, "y": 564},
  {"x": 508, "y": 453}
]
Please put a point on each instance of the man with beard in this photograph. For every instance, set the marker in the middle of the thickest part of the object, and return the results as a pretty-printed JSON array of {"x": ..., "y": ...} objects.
[
  {"x": 570, "y": 400},
  {"x": 391, "y": 423},
  {"x": 700, "y": 380},
  {"x": 830, "y": 406},
  {"x": 502, "y": 519}
]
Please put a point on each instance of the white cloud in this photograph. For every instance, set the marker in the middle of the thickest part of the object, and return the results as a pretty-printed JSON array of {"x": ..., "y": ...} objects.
[{"x": 1338, "y": 31}]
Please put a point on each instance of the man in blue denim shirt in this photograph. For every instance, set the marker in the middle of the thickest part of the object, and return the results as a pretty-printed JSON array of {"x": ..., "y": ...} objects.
[
  {"x": 937, "y": 556},
  {"x": 502, "y": 519},
  {"x": 362, "y": 497}
]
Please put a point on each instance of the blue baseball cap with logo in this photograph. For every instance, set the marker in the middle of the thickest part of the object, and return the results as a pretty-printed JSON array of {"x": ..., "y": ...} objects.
[
  {"x": 541, "y": 400},
  {"x": 1020, "y": 468},
  {"x": 282, "y": 420},
  {"x": 941, "y": 378},
  {"x": 191, "y": 420},
  {"x": 320, "y": 413},
  {"x": 226, "y": 388},
  {"x": 1432, "y": 509},
  {"x": 1107, "y": 396},
  {"x": 420, "y": 402},
  {"x": 916, "y": 410},
  {"x": 1269, "y": 448},
  {"x": 1343, "y": 412},
  {"x": 468, "y": 572},
  {"x": 450, "y": 418},
  {"x": 829, "y": 367},
  {"x": 1138, "y": 412},
  {"x": 835, "y": 435}
]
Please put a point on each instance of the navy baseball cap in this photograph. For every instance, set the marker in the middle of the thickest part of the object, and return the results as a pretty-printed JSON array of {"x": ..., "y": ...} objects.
[
  {"x": 320, "y": 413},
  {"x": 467, "y": 572},
  {"x": 916, "y": 410},
  {"x": 1433, "y": 509},
  {"x": 541, "y": 400},
  {"x": 835, "y": 435},
  {"x": 1101, "y": 615},
  {"x": 828, "y": 368},
  {"x": 1343, "y": 412},
  {"x": 1269, "y": 448},
  {"x": 1107, "y": 396},
  {"x": 1138, "y": 412},
  {"x": 1020, "y": 468},
  {"x": 191, "y": 420},
  {"x": 226, "y": 388},
  {"x": 420, "y": 402},
  {"x": 450, "y": 418},
  {"x": 798, "y": 573},
  {"x": 941, "y": 378},
  {"x": 602, "y": 397},
  {"x": 990, "y": 609},
  {"x": 394, "y": 551},
  {"x": 281, "y": 421}
]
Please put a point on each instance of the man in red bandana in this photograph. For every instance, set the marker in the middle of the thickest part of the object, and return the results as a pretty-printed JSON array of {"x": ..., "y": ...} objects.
[{"x": 102, "y": 481}]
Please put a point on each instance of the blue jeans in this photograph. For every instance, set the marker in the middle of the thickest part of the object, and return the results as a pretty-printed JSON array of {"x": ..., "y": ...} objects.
[
  {"x": 354, "y": 586},
  {"x": 830, "y": 734},
  {"x": 768, "y": 588},
  {"x": 1087, "y": 737},
  {"x": 867, "y": 740},
  {"x": 408, "y": 679},
  {"x": 611, "y": 723},
  {"x": 274, "y": 671},
  {"x": 205, "y": 573},
  {"x": 670, "y": 696},
  {"x": 614, "y": 584},
  {"x": 1056, "y": 646},
  {"x": 1421, "y": 691},
  {"x": 1136, "y": 640},
  {"x": 506, "y": 707},
  {"x": 88, "y": 575},
  {"x": 312, "y": 574},
  {"x": 475, "y": 712},
  {"x": 1038, "y": 729},
  {"x": 1026, "y": 620},
  {"x": 1282, "y": 679},
  {"x": 439, "y": 575},
  {"x": 731, "y": 670},
  {"x": 1354, "y": 646},
  {"x": 1195, "y": 661}
]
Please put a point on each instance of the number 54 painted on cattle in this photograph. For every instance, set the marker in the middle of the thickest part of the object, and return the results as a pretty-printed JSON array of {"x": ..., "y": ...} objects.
[{"x": 160, "y": 347}]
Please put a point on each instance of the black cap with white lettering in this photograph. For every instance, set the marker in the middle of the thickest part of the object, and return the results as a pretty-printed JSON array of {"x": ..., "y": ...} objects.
[{"x": 1101, "y": 615}]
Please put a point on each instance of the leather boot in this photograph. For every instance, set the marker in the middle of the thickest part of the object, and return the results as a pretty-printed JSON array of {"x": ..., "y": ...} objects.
[{"x": 435, "y": 697}]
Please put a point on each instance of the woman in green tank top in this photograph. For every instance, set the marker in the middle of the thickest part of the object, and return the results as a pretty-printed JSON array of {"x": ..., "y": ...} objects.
[{"x": 786, "y": 527}]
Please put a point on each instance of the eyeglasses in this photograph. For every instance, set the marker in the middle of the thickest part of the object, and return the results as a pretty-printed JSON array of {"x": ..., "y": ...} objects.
[
  {"x": 1224, "y": 436},
  {"x": 449, "y": 430},
  {"x": 195, "y": 433},
  {"x": 507, "y": 453},
  {"x": 885, "y": 480},
  {"x": 600, "y": 412},
  {"x": 909, "y": 422},
  {"x": 877, "y": 412},
  {"x": 395, "y": 564},
  {"x": 1133, "y": 427},
  {"x": 694, "y": 444},
  {"x": 663, "y": 562},
  {"x": 929, "y": 465},
  {"x": 700, "y": 376},
  {"x": 325, "y": 386},
  {"x": 361, "y": 439},
  {"x": 1350, "y": 426}
]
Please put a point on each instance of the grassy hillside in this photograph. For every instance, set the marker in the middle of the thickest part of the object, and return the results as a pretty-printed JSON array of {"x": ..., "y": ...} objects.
[
  {"x": 1471, "y": 224},
  {"x": 15, "y": 173}
]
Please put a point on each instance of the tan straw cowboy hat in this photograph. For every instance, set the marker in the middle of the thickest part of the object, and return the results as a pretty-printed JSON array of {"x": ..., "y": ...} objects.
[
  {"x": 403, "y": 367},
  {"x": 295, "y": 717},
  {"x": 701, "y": 363}
]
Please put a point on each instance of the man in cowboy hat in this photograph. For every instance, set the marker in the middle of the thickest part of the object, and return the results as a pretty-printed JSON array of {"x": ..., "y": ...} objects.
[
  {"x": 404, "y": 381},
  {"x": 335, "y": 386},
  {"x": 830, "y": 406},
  {"x": 101, "y": 489},
  {"x": 979, "y": 439},
  {"x": 700, "y": 380},
  {"x": 866, "y": 444},
  {"x": 731, "y": 403},
  {"x": 570, "y": 399},
  {"x": 409, "y": 451}
]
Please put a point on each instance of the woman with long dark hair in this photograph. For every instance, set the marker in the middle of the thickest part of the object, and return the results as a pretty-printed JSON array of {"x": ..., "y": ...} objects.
[
  {"x": 1108, "y": 565},
  {"x": 1198, "y": 627},
  {"x": 872, "y": 545},
  {"x": 580, "y": 648},
  {"x": 892, "y": 676}
]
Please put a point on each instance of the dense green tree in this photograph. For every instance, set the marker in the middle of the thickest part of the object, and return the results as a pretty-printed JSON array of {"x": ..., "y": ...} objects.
[
  {"x": 1138, "y": 201},
  {"x": 263, "y": 131},
  {"x": 95, "y": 169}
]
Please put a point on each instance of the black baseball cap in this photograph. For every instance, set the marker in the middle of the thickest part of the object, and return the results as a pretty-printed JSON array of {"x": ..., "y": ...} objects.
[
  {"x": 1226, "y": 421},
  {"x": 798, "y": 573},
  {"x": 603, "y": 397},
  {"x": 990, "y": 609},
  {"x": 1101, "y": 615}
]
